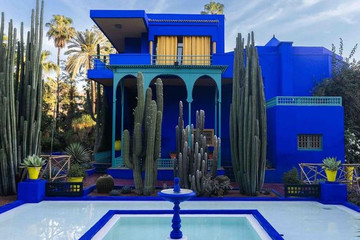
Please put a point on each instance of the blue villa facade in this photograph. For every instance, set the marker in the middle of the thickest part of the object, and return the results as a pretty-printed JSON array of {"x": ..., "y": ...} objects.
[{"x": 187, "y": 52}]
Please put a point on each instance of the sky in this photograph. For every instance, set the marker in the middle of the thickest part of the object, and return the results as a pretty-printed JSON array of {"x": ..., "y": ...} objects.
[{"x": 304, "y": 22}]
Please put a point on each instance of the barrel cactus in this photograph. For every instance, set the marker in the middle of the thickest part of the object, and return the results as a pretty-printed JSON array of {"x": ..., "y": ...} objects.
[
  {"x": 142, "y": 150},
  {"x": 248, "y": 119},
  {"x": 104, "y": 184}
]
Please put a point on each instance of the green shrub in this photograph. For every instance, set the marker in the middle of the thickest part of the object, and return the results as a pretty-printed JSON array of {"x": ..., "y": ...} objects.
[
  {"x": 76, "y": 170},
  {"x": 291, "y": 176},
  {"x": 104, "y": 184},
  {"x": 126, "y": 190},
  {"x": 114, "y": 192}
]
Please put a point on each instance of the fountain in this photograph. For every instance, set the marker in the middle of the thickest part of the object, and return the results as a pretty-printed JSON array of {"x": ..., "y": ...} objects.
[{"x": 176, "y": 196}]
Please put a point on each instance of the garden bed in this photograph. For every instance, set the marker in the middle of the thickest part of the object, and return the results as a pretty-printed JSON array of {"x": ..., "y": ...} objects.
[{"x": 7, "y": 199}]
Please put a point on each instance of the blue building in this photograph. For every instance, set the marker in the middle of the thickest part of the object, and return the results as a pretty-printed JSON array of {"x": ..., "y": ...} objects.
[{"x": 187, "y": 52}]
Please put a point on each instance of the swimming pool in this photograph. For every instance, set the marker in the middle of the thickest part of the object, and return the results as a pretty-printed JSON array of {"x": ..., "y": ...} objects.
[{"x": 296, "y": 220}]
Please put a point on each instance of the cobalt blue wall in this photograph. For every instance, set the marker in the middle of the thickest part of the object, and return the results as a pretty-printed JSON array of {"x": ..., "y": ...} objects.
[
  {"x": 286, "y": 122},
  {"x": 132, "y": 45},
  {"x": 213, "y": 29}
]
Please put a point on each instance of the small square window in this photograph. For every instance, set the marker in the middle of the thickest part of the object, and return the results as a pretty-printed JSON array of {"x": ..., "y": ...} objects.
[{"x": 309, "y": 142}]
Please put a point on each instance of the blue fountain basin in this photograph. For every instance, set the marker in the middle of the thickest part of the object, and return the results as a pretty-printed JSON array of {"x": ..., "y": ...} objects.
[{"x": 171, "y": 196}]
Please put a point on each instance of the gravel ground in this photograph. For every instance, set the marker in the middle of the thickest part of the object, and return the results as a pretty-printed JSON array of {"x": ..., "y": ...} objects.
[{"x": 7, "y": 199}]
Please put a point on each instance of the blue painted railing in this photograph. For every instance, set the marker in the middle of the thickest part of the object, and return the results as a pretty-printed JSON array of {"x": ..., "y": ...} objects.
[{"x": 304, "y": 101}]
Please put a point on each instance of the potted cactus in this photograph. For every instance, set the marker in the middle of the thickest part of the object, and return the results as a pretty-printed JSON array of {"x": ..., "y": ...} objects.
[
  {"x": 33, "y": 164},
  {"x": 76, "y": 173},
  {"x": 331, "y": 166}
]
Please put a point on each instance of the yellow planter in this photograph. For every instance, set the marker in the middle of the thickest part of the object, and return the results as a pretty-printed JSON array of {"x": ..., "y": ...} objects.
[
  {"x": 118, "y": 145},
  {"x": 34, "y": 172},
  {"x": 349, "y": 173},
  {"x": 75, "y": 179},
  {"x": 331, "y": 175}
]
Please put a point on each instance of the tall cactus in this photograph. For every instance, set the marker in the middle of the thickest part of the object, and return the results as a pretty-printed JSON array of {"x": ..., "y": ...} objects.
[
  {"x": 192, "y": 161},
  {"x": 21, "y": 88},
  {"x": 248, "y": 119},
  {"x": 147, "y": 131}
]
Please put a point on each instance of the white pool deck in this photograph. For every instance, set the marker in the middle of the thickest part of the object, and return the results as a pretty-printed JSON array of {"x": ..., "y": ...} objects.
[{"x": 296, "y": 220}]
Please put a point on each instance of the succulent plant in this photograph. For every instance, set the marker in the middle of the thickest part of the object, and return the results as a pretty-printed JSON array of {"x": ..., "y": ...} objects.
[
  {"x": 104, "y": 184},
  {"x": 330, "y": 163},
  {"x": 126, "y": 190},
  {"x": 76, "y": 170},
  {"x": 114, "y": 192},
  {"x": 33, "y": 161},
  {"x": 79, "y": 153}
]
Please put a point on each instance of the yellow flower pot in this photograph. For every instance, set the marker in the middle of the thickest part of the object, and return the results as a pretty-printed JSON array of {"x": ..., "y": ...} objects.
[
  {"x": 349, "y": 173},
  {"x": 118, "y": 145},
  {"x": 331, "y": 175},
  {"x": 33, "y": 172},
  {"x": 75, "y": 179}
]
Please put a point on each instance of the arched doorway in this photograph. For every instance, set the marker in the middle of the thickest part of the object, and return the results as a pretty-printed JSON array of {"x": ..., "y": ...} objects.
[{"x": 174, "y": 90}]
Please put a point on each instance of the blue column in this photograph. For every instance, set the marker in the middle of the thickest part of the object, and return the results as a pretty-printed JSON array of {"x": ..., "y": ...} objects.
[
  {"x": 122, "y": 114},
  {"x": 113, "y": 121},
  {"x": 189, "y": 120},
  {"x": 219, "y": 161},
  {"x": 216, "y": 113}
]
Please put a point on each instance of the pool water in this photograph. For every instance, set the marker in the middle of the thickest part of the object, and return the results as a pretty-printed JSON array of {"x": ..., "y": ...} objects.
[
  {"x": 194, "y": 227},
  {"x": 68, "y": 220}
]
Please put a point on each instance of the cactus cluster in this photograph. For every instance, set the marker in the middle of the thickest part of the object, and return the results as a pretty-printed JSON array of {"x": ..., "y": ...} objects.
[
  {"x": 21, "y": 89},
  {"x": 146, "y": 140},
  {"x": 248, "y": 119},
  {"x": 104, "y": 184},
  {"x": 192, "y": 159}
]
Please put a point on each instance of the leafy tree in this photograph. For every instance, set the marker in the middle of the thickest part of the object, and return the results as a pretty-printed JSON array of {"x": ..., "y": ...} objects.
[
  {"x": 80, "y": 50},
  {"x": 345, "y": 82},
  {"x": 213, "y": 8}
]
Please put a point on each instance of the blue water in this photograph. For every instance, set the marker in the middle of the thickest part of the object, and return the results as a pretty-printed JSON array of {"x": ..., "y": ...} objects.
[{"x": 195, "y": 228}]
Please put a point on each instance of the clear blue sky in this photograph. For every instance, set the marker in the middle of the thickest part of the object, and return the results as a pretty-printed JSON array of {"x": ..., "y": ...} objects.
[{"x": 305, "y": 22}]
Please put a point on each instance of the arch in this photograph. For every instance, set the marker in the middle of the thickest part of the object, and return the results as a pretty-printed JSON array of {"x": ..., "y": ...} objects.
[{"x": 174, "y": 90}]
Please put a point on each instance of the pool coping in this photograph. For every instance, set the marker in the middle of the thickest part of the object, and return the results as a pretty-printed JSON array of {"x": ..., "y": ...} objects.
[{"x": 268, "y": 228}]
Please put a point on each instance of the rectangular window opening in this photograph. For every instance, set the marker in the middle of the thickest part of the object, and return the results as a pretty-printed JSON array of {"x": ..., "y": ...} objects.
[{"x": 309, "y": 142}]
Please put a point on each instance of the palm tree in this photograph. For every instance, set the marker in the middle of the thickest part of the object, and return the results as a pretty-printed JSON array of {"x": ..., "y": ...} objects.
[
  {"x": 80, "y": 50},
  {"x": 48, "y": 66},
  {"x": 61, "y": 31},
  {"x": 213, "y": 8}
]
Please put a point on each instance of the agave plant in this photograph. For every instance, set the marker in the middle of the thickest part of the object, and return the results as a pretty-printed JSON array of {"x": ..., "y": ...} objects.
[
  {"x": 330, "y": 163},
  {"x": 79, "y": 154},
  {"x": 33, "y": 161}
]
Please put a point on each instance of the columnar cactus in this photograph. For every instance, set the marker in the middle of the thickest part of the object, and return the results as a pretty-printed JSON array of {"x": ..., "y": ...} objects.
[
  {"x": 21, "y": 88},
  {"x": 192, "y": 161},
  {"x": 147, "y": 131},
  {"x": 248, "y": 119}
]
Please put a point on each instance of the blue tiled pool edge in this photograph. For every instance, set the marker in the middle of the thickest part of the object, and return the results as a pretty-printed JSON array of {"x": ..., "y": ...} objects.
[
  {"x": 269, "y": 229},
  {"x": 10, "y": 206}
]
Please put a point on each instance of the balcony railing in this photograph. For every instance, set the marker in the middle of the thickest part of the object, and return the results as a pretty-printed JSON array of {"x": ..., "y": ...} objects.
[
  {"x": 304, "y": 101},
  {"x": 100, "y": 61},
  {"x": 181, "y": 60}
]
